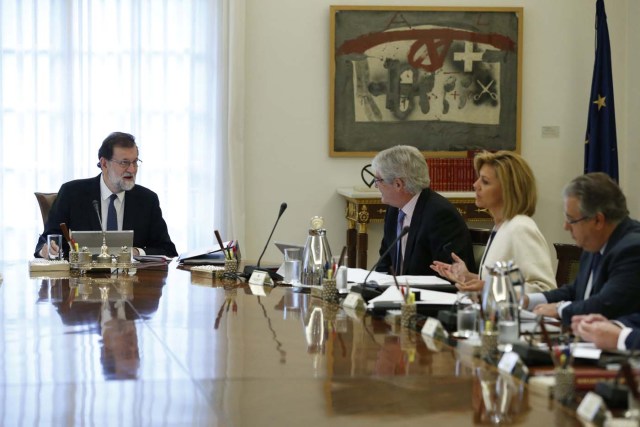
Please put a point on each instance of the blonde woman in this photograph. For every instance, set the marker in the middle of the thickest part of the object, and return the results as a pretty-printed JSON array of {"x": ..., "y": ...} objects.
[{"x": 506, "y": 188}]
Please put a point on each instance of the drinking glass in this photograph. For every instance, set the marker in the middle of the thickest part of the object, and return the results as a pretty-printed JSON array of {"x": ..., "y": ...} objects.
[
  {"x": 54, "y": 254},
  {"x": 508, "y": 326},
  {"x": 292, "y": 263},
  {"x": 467, "y": 311}
]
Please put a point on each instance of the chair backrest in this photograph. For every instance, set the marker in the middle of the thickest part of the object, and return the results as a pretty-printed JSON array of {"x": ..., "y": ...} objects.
[
  {"x": 45, "y": 200},
  {"x": 479, "y": 239},
  {"x": 568, "y": 262}
]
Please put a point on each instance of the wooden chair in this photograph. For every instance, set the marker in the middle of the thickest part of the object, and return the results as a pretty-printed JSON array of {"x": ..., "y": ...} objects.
[
  {"x": 479, "y": 239},
  {"x": 45, "y": 200},
  {"x": 568, "y": 262}
]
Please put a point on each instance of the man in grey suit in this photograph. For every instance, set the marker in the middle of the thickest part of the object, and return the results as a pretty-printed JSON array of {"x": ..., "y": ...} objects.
[
  {"x": 436, "y": 228},
  {"x": 123, "y": 205},
  {"x": 608, "y": 280}
]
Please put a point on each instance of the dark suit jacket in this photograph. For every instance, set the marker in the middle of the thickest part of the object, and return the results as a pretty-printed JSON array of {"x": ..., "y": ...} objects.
[
  {"x": 616, "y": 282},
  {"x": 436, "y": 230},
  {"x": 632, "y": 321},
  {"x": 142, "y": 214}
]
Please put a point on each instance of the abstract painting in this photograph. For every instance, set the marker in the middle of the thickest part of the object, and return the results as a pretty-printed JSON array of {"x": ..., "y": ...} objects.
[{"x": 446, "y": 80}]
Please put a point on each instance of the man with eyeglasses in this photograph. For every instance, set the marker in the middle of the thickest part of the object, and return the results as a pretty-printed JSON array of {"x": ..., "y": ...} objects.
[
  {"x": 608, "y": 280},
  {"x": 124, "y": 205},
  {"x": 436, "y": 228}
]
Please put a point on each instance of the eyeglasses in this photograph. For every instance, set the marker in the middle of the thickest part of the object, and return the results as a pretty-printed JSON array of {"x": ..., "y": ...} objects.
[
  {"x": 124, "y": 164},
  {"x": 376, "y": 181},
  {"x": 575, "y": 221}
]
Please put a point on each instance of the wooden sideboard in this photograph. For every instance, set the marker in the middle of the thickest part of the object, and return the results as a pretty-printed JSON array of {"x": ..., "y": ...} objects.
[{"x": 364, "y": 207}]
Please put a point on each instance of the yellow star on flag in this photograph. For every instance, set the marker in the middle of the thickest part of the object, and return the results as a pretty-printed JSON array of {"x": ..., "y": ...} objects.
[{"x": 601, "y": 101}]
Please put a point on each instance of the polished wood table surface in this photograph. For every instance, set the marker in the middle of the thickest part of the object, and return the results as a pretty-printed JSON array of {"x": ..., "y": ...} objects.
[{"x": 166, "y": 348}]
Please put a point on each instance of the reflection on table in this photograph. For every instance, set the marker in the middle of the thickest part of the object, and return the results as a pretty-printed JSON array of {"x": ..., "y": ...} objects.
[{"x": 166, "y": 349}]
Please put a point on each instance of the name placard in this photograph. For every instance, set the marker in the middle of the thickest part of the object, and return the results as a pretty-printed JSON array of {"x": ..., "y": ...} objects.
[
  {"x": 508, "y": 362},
  {"x": 354, "y": 300},
  {"x": 511, "y": 364},
  {"x": 434, "y": 329},
  {"x": 260, "y": 278},
  {"x": 592, "y": 408}
]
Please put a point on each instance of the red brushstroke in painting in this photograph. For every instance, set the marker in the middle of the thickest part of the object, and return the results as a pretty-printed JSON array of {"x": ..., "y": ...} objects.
[{"x": 436, "y": 41}]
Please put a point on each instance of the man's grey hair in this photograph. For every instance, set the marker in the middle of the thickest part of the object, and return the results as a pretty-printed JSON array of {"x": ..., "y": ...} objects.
[
  {"x": 597, "y": 192},
  {"x": 405, "y": 162}
]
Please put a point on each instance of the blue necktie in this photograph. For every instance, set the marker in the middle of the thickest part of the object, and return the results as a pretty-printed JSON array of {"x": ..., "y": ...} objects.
[
  {"x": 398, "y": 266},
  {"x": 112, "y": 215},
  {"x": 595, "y": 260}
]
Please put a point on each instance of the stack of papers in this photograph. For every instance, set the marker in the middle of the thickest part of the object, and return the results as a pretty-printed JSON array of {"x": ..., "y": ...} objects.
[
  {"x": 357, "y": 275},
  {"x": 423, "y": 296}
]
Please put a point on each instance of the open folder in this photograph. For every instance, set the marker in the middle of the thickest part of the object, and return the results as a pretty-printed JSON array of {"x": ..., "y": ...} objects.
[{"x": 211, "y": 255}]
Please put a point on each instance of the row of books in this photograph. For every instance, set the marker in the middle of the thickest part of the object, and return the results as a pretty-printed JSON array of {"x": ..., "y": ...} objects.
[{"x": 453, "y": 174}]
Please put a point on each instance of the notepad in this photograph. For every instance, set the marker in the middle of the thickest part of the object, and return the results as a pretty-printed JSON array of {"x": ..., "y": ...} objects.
[{"x": 40, "y": 264}]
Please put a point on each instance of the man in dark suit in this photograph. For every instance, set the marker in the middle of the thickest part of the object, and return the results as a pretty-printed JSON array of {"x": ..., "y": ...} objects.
[
  {"x": 436, "y": 228},
  {"x": 608, "y": 280},
  {"x": 124, "y": 205}
]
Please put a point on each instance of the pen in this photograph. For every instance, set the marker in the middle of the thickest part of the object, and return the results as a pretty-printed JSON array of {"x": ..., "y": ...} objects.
[
  {"x": 545, "y": 335},
  {"x": 230, "y": 256},
  {"x": 342, "y": 255},
  {"x": 220, "y": 243},
  {"x": 67, "y": 236}
]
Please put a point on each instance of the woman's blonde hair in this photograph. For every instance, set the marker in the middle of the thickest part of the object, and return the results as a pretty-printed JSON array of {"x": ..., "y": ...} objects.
[{"x": 519, "y": 193}]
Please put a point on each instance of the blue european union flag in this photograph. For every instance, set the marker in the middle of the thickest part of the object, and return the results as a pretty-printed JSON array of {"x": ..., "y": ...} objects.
[{"x": 601, "y": 147}]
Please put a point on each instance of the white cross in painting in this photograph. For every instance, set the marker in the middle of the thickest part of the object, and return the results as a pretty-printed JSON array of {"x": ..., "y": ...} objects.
[{"x": 468, "y": 56}]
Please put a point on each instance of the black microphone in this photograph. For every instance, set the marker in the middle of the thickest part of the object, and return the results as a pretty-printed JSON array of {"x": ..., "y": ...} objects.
[
  {"x": 248, "y": 270},
  {"x": 97, "y": 209},
  {"x": 371, "y": 290},
  {"x": 404, "y": 232}
]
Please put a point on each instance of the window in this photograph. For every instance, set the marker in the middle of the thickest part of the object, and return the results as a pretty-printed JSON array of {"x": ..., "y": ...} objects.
[{"x": 74, "y": 71}]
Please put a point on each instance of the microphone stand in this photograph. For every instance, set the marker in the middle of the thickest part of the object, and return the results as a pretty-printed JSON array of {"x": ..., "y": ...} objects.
[
  {"x": 368, "y": 290},
  {"x": 249, "y": 269},
  {"x": 104, "y": 257}
]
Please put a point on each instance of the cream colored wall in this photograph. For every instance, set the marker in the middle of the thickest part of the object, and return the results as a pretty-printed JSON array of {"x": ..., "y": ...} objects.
[{"x": 287, "y": 108}]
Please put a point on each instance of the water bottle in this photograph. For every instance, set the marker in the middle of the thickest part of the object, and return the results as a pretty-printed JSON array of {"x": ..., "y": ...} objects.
[{"x": 316, "y": 257}]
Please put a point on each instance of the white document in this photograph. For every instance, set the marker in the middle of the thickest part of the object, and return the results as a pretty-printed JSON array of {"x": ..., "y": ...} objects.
[
  {"x": 585, "y": 350},
  {"x": 393, "y": 294},
  {"x": 357, "y": 275},
  {"x": 529, "y": 316},
  {"x": 436, "y": 297},
  {"x": 580, "y": 350}
]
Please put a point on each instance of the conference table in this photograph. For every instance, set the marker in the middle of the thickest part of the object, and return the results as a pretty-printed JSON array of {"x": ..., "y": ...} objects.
[{"x": 165, "y": 347}]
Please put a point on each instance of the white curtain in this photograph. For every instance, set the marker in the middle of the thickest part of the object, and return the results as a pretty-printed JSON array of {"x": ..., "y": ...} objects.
[{"x": 164, "y": 70}]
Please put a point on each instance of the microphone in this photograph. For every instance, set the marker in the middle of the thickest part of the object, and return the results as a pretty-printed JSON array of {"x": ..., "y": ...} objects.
[
  {"x": 367, "y": 290},
  {"x": 248, "y": 270},
  {"x": 403, "y": 233},
  {"x": 96, "y": 207}
]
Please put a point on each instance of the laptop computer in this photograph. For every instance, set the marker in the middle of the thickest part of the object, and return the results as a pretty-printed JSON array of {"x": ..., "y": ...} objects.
[{"x": 93, "y": 240}]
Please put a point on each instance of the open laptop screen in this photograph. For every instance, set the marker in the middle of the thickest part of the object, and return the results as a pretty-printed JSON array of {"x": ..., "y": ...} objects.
[{"x": 93, "y": 240}]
